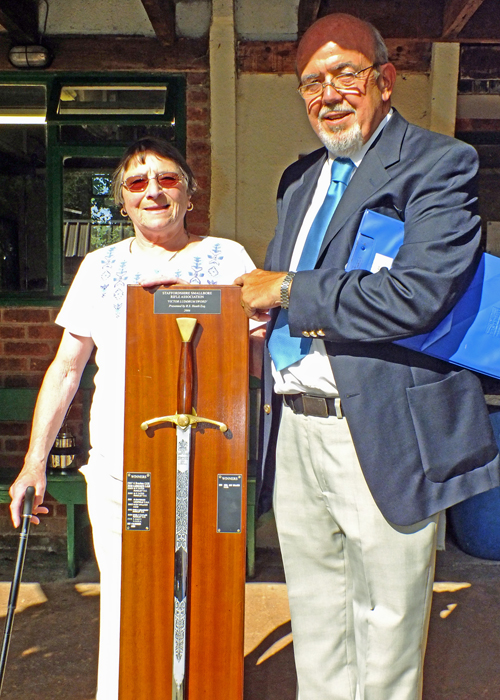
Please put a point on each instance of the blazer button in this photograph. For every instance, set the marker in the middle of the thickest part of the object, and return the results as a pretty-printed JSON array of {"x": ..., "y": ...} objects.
[
  {"x": 313, "y": 334},
  {"x": 321, "y": 332},
  {"x": 267, "y": 408},
  {"x": 305, "y": 334}
]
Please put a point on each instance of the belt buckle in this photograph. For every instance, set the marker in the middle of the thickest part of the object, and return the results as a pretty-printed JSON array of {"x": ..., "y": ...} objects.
[{"x": 315, "y": 406}]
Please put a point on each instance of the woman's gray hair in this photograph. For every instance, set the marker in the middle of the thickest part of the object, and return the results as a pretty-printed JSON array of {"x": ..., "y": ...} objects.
[{"x": 138, "y": 151}]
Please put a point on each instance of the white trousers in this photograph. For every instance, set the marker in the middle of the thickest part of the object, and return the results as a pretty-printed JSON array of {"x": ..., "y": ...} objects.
[
  {"x": 359, "y": 588},
  {"x": 104, "y": 499}
]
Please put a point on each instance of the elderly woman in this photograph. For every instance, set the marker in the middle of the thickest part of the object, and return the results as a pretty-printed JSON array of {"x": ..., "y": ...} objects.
[{"x": 154, "y": 185}]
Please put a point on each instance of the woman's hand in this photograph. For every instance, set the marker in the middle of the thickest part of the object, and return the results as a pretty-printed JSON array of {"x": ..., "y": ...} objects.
[
  {"x": 156, "y": 281},
  {"x": 257, "y": 350},
  {"x": 28, "y": 477}
]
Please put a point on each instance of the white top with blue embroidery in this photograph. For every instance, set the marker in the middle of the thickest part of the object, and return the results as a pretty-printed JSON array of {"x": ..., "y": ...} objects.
[{"x": 95, "y": 307}]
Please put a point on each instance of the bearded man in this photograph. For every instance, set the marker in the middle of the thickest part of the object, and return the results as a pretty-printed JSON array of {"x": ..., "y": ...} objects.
[{"x": 364, "y": 442}]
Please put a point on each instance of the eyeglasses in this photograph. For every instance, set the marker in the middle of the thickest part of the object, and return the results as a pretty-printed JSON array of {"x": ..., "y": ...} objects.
[
  {"x": 344, "y": 82},
  {"x": 139, "y": 183}
]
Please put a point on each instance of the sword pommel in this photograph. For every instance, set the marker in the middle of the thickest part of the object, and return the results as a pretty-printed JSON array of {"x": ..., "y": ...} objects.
[{"x": 186, "y": 328}]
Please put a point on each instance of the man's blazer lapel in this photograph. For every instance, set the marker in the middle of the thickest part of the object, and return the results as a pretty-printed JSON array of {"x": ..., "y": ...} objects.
[{"x": 296, "y": 202}]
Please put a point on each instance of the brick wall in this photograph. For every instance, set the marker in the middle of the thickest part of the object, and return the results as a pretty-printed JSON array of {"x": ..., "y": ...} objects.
[
  {"x": 29, "y": 337},
  {"x": 198, "y": 148}
]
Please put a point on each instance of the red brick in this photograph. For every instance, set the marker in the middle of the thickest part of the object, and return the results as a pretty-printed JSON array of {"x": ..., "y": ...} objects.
[
  {"x": 11, "y": 428},
  {"x": 198, "y": 78},
  {"x": 14, "y": 461},
  {"x": 199, "y": 216},
  {"x": 198, "y": 148},
  {"x": 16, "y": 445},
  {"x": 199, "y": 229},
  {"x": 29, "y": 381},
  {"x": 39, "y": 364},
  {"x": 39, "y": 349},
  {"x": 197, "y": 113},
  {"x": 197, "y": 130},
  {"x": 27, "y": 315},
  {"x": 12, "y": 331},
  {"x": 45, "y": 332},
  {"x": 53, "y": 314},
  {"x": 12, "y": 364},
  {"x": 197, "y": 95}
]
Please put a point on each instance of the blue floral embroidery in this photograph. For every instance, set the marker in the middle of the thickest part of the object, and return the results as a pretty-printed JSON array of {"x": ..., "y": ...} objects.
[
  {"x": 120, "y": 287},
  {"x": 215, "y": 258},
  {"x": 197, "y": 273},
  {"x": 107, "y": 263}
]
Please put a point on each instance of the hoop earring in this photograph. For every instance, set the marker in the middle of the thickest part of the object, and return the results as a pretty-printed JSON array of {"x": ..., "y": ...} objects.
[
  {"x": 190, "y": 206},
  {"x": 123, "y": 211}
]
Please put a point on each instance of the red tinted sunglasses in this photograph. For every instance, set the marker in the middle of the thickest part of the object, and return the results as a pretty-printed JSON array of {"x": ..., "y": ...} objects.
[{"x": 139, "y": 183}]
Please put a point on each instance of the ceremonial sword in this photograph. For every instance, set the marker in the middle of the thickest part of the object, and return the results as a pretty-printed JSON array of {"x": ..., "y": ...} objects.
[{"x": 184, "y": 419}]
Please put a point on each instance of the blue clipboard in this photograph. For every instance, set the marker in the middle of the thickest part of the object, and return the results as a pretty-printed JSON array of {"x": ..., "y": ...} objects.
[{"x": 469, "y": 336}]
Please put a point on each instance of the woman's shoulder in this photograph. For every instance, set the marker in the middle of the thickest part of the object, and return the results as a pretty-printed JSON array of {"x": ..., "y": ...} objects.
[{"x": 119, "y": 250}]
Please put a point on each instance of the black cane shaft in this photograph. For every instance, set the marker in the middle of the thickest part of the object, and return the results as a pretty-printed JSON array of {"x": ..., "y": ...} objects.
[
  {"x": 18, "y": 572},
  {"x": 185, "y": 379}
]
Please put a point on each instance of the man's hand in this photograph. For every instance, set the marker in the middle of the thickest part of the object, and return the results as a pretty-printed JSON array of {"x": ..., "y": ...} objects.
[
  {"x": 27, "y": 478},
  {"x": 260, "y": 291}
]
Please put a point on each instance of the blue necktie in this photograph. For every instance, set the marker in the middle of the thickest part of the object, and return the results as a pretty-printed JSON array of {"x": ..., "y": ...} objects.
[{"x": 286, "y": 350}]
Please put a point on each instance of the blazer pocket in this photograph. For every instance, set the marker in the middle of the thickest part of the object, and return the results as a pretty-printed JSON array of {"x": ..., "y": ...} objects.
[{"x": 452, "y": 426}]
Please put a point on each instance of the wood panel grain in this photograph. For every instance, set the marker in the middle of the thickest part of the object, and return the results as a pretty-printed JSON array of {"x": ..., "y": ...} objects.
[{"x": 217, "y": 561}]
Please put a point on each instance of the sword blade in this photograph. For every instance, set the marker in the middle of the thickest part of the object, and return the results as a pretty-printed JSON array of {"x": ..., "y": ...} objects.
[{"x": 181, "y": 560}]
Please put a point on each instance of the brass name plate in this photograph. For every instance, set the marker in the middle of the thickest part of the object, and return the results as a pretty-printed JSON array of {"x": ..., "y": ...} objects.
[
  {"x": 187, "y": 301},
  {"x": 229, "y": 501},
  {"x": 138, "y": 501}
]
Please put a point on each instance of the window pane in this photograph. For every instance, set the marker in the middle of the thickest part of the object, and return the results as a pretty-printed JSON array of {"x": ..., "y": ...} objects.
[
  {"x": 91, "y": 218},
  {"x": 86, "y": 134},
  {"x": 112, "y": 99},
  {"x": 22, "y": 104},
  {"x": 23, "y": 217}
]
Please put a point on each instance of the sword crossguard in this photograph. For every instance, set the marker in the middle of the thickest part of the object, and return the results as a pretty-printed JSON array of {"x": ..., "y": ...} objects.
[{"x": 184, "y": 421}]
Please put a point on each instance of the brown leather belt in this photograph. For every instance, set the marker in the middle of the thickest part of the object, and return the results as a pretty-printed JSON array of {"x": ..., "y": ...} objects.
[{"x": 310, "y": 405}]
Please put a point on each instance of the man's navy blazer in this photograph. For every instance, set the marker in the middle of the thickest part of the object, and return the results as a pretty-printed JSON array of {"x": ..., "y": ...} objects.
[{"x": 420, "y": 426}]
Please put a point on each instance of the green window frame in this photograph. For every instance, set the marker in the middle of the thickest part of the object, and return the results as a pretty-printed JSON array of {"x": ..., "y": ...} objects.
[{"x": 57, "y": 151}]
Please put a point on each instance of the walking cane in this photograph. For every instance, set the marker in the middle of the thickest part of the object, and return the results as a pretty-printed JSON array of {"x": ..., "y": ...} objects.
[{"x": 14, "y": 588}]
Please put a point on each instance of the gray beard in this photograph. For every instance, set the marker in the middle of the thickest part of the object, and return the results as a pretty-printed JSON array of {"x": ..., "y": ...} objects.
[{"x": 340, "y": 142}]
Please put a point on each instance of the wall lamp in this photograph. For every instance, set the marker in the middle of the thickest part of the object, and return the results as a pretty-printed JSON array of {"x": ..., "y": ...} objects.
[{"x": 28, "y": 57}]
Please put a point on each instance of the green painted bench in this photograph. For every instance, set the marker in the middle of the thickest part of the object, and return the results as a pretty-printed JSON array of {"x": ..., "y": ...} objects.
[{"x": 68, "y": 488}]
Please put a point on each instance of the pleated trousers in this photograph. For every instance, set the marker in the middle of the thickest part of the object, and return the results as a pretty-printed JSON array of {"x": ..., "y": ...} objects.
[{"x": 359, "y": 587}]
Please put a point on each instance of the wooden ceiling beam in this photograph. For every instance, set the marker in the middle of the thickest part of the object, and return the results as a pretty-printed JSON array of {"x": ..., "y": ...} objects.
[
  {"x": 307, "y": 14},
  {"x": 161, "y": 14},
  {"x": 20, "y": 19},
  {"x": 456, "y": 15},
  {"x": 104, "y": 53}
]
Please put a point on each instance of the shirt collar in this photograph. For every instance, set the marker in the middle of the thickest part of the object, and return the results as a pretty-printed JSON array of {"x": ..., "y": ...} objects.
[{"x": 359, "y": 155}]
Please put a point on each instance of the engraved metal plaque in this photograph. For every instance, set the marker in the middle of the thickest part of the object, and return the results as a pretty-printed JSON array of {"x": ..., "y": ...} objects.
[
  {"x": 229, "y": 500},
  {"x": 138, "y": 500},
  {"x": 187, "y": 301}
]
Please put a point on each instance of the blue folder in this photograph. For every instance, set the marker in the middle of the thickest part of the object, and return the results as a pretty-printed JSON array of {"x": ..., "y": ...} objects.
[{"x": 469, "y": 336}]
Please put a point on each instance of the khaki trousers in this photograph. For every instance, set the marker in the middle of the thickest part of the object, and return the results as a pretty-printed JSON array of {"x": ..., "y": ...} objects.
[{"x": 359, "y": 588}]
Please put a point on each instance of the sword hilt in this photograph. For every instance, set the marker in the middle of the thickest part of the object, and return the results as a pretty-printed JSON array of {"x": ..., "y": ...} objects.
[
  {"x": 185, "y": 376},
  {"x": 186, "y": 415},
  {"x": 183, "y": 420}
]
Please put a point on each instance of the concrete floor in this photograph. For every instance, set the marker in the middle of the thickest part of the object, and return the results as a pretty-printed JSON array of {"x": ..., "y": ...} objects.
[{"x": 55, "y": 635}]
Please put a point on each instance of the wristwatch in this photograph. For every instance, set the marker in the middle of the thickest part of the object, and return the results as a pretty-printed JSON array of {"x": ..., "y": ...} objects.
[{"x": 285, "y": 290}]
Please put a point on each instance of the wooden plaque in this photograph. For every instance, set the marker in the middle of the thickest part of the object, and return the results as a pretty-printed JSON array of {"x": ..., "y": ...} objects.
[{"x": 217, "y": 545}]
